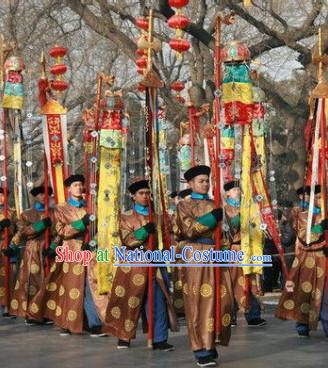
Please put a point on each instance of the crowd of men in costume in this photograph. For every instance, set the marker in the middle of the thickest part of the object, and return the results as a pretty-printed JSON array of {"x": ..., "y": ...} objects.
[{"x": 67, "y": 295}]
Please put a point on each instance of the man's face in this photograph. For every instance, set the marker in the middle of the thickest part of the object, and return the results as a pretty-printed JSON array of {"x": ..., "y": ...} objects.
[
  {"x": 176, "y": 200},
  {"x": 200, "y": 184},
  {"x": 142, "y": 196},
  {"x": 76, "y": 189},
  {"x": 40, "y": 198},
  {"x": 317, "y": 200},
  {"x": 2, "y": 199},
  {"x": 234, "y": 193},
  {"x": 304, "y": 197}
]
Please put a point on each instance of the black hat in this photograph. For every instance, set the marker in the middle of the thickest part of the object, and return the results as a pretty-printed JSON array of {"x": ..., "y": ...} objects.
[
  {"x": 230, "y": 185},
  {"x": 317, "y": 189},
  {"x": 138, "y": 184},
  {"x": 72, "y": 178},
  {"x": 307, "y": 190},
  {"x": 40, "y": 189},
  {"x": 173, "y": 194},
  {"x": 197, "y": 170},
  {"x": 300, "y": 191},
  {"x": 184, "y": 193}
]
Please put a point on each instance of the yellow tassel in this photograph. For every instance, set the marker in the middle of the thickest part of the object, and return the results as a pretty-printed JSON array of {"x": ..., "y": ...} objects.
[{"x": 60, "y": 183}]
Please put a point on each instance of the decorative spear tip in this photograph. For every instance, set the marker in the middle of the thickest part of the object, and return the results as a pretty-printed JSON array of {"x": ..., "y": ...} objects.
[
  {"x": 43, "y": 65},
  {"x": 321, "y": 90}
]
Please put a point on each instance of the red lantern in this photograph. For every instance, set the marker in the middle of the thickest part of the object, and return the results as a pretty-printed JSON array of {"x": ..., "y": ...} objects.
[
  {"x": 179, "y": 45},
  {"x": 142, "y": 23},
  {"x": 142, "y": 62},
  {"x": 58, "y": 51},
  {"x": 178, "y": 3},
  {"x": 140, "y": 52},
  {"x": 58, "y": 69},
  {"x": 178, "y": 21},
  {"x": 141, "y": 70},
  {"x": 177, "y": 86},
  {"x": 59, "y": 85}
]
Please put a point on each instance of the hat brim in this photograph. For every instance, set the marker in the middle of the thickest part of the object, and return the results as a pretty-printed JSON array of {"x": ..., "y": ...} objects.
[
  {"x": 195, "y": 171},
  {"x": 40, "y": 190},
  {"x": 230, "y": 185},
  {"x": 73, "y": 178},
  {"x": 141, "y": 184}
]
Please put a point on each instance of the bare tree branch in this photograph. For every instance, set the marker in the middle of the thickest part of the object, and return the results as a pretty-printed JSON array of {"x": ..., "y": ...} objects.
[{"x": 103, "y": 28}]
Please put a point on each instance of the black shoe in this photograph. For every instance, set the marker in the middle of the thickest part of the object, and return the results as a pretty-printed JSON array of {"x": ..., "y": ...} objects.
[
  {"x": 7, "y": 315},
  {"x": 31, "y": 322},
  {"x": 96, "y": 332},
  {"x": 47, "y": 322},
  {"x": 123, "y": 344},
  {"x": 163, "y": 346},
  {"x": 233, "y": 323},
  {"x": 64, "y": 332},
  {"x": 206, "y": 362},
  {"x": 214, "y": 353},
  {"x": 303, "y": 334},
  {"x": 259, "y": 322}
]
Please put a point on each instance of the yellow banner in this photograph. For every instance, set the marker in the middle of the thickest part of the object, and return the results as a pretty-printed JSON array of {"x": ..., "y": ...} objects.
[
  {"x": 251, "y": 234},
  {"x": 108, "y": 214},
  {"x": 241, "y": 92},
  {"x": 60, "y": 183}
]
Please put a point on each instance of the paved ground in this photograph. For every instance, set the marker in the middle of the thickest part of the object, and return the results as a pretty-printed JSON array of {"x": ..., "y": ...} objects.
[{"x": 275, "y": 345}]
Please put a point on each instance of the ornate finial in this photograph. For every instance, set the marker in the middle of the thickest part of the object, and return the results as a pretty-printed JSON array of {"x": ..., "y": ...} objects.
[
  {"x": 150, "y": 38},
  {"x": 4, "y": 50},
  {"x": 321, "y": 90},
  {"x": 151, "y": 78},
  {"x": 108, "y": 79},
  {"x": 43, "y": 65}
]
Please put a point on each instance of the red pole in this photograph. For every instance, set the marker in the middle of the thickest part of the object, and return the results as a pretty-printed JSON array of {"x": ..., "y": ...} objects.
[
  {"x": 192, "y": 111},
  {"x": 98, "y": 100},
  {"x": 217, "y": 176}
]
